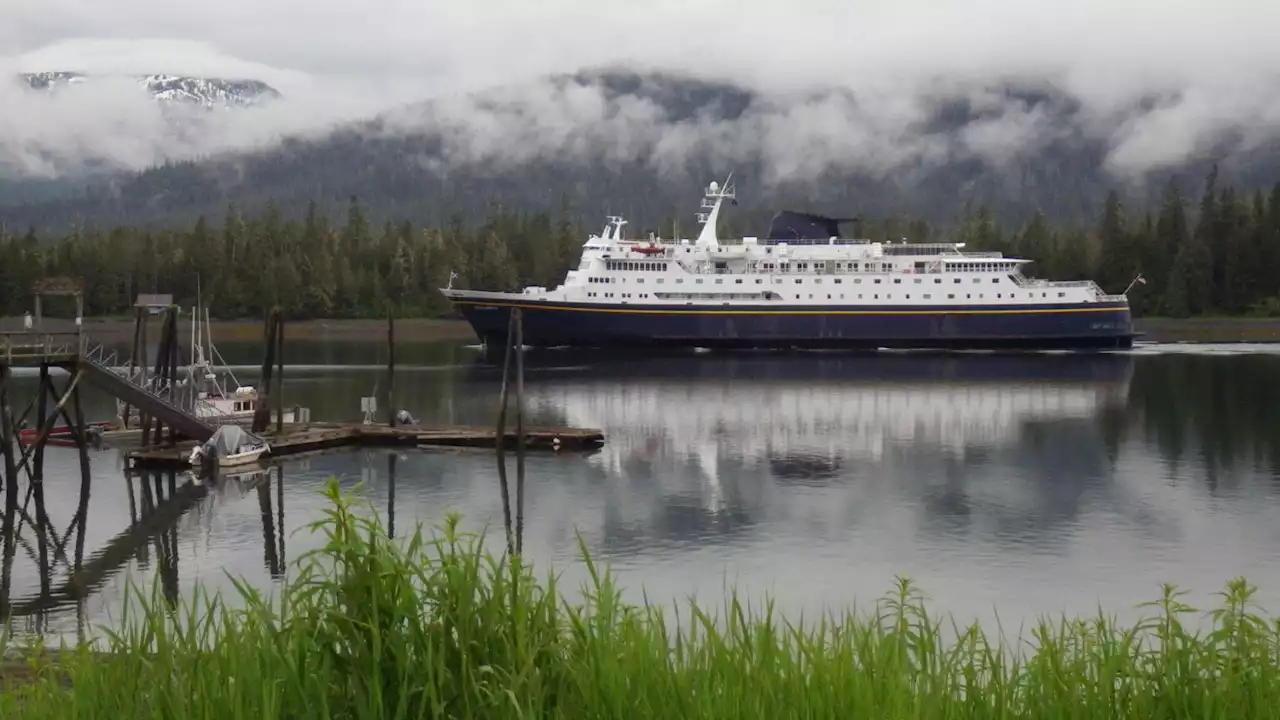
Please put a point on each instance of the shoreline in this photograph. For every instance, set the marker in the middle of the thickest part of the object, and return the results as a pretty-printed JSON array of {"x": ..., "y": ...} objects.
[
  {"x": 1208, "y": 330},
  {"x": 119, "y": 330}
]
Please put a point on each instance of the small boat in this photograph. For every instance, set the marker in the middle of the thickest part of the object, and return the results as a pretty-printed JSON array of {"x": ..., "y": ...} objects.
[
  {"x": 61, "y": 435},
  {"x": 230, "y": 446},
  {"x": 650, "y": 249}
]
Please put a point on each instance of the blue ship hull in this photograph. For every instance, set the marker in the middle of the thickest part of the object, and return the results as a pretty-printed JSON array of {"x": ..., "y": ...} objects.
[{"x": 1079, "y": 326}]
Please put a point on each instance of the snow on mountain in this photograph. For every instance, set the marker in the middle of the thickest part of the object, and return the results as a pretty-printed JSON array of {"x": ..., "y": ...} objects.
[{"x": 211, "y": 93}]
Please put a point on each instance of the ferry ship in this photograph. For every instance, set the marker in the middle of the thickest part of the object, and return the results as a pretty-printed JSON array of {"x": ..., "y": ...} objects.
[{"x": 801, "y": 287}]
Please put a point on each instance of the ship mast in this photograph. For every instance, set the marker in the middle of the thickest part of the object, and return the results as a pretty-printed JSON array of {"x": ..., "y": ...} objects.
[
  {"x": 712, "y": 200},
  {"x": 615, "y": 224}
]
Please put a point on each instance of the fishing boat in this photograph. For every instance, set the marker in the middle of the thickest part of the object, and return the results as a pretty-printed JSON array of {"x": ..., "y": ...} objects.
[
  {"x": 801, "y": 286},
  {"x": 203, "y": 392}
]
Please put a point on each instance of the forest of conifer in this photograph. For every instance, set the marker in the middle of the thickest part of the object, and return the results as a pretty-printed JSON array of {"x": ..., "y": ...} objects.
[{"x": 1220, "y": 257}]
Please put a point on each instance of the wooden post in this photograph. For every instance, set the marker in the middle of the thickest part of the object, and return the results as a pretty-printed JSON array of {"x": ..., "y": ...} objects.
[
  {"x": 143, "y": 362},
  {"x": 391, "y": 493},
  {"x": 500, "y": 435},
  {"x": 8, "y": 434},
  {"x": 262, "y": 413},
  {"x": 279, "y": 394},
  {"x": 173, "y": 371},
  {"x": 520, "y": 439},
  {"x": 138, "y": 324},
  {"x": 391, "y": 365}
]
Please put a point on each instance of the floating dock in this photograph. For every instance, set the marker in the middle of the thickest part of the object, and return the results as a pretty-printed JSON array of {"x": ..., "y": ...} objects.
[{"x": 297, "y": 439}]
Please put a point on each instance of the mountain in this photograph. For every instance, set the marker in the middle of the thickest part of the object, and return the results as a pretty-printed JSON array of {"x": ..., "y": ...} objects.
[
  {"x": 643, "y": 145},
  {"x": 213, "y": 93},
  {"x": 54, "y": 151}
]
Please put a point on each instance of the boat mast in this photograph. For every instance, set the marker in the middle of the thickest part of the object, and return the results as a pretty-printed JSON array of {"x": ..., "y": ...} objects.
[
  {"x": 712, "y": 200},
  {"x": 193, "y": 367}
]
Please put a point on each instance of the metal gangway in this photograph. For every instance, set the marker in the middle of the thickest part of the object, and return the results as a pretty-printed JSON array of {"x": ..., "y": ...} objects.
[{"x": 151, "y": 394}]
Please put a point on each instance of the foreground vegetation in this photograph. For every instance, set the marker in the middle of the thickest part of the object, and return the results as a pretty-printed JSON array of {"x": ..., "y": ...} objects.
[{"x": 373, "y": 628}]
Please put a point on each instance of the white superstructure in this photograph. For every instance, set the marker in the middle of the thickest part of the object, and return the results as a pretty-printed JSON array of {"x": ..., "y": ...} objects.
[{"x": 832, "y": 271}]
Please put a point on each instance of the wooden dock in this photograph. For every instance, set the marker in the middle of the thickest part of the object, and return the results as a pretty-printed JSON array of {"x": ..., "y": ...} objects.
[{"x": 297, "y": 439}]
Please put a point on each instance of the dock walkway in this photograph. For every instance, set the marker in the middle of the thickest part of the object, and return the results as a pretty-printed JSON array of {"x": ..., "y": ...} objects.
[
  {"x": 311, "y": 437},
  {"x": 70, "y": 351}
]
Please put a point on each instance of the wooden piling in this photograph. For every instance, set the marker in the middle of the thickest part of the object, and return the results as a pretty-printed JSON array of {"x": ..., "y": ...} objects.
[
  {"x": 392, "y": 457},
  {"x": 279, "y": 394},
  {"x": 500, "y": 437},
  {"x": 520, "y": 438},
  {"x": 262, "y": 413},
  {"x": 143, "y": 363},
  {"x": 139, "y": 326},
  {"x": 391, "y": 366},
  {"x": 152, "y": 428},
  {"x": 173, "y": 370}
]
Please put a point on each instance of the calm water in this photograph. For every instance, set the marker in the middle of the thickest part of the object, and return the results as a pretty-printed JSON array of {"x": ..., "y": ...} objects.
[{"x": 1035, "y": 484}]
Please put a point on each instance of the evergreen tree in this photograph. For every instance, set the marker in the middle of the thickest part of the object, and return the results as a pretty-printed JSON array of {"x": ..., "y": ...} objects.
[{"x": 1229, "y": 262}]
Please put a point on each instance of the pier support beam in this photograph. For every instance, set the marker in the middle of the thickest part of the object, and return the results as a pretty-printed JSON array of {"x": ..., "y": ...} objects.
[
  {"x": 27, "y": 458},
  {"x": 8, "y": 436},
  {"x": 165, "y": 378},
  {"x": 137, "y": 357},
  {"x": 515, "y": 341}
]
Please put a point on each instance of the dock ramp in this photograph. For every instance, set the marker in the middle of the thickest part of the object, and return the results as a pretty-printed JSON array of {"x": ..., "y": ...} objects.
[{"x": 157, "y": 403}]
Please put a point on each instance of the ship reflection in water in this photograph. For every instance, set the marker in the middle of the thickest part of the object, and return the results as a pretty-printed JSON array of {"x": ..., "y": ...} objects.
[
  {"x": 1027, "y": 483},
  {"x": 702, "y": 448}
]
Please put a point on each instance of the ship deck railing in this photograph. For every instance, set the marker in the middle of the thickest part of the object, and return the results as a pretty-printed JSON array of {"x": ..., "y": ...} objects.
[
  {"x": 1098, "y": 292},
  {"x": 1040, "y": 282},
  {"x": 705, "y": 268}
]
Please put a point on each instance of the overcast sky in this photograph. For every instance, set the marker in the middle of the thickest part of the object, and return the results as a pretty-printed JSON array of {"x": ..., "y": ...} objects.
[{"x": 1222, "y": 56}]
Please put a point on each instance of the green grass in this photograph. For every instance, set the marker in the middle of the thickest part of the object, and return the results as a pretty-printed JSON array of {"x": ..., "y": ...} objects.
[{"x": 371, "y": 628}]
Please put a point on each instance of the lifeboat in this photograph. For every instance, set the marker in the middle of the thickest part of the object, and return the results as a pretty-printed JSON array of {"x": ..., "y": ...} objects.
[{"x": 650, "y": 249}]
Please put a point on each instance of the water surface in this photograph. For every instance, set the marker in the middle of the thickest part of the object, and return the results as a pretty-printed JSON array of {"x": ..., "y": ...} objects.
[{"x": 1029, "y": 484}]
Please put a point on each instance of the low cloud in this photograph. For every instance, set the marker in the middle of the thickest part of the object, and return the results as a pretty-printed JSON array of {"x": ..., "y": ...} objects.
[{"x": 835, "y": 86}]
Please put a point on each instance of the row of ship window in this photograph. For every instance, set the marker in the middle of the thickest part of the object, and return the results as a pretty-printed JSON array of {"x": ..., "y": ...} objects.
[
  {"x": 816, "y": 281},
  {"x": 806, "y": 266}
]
